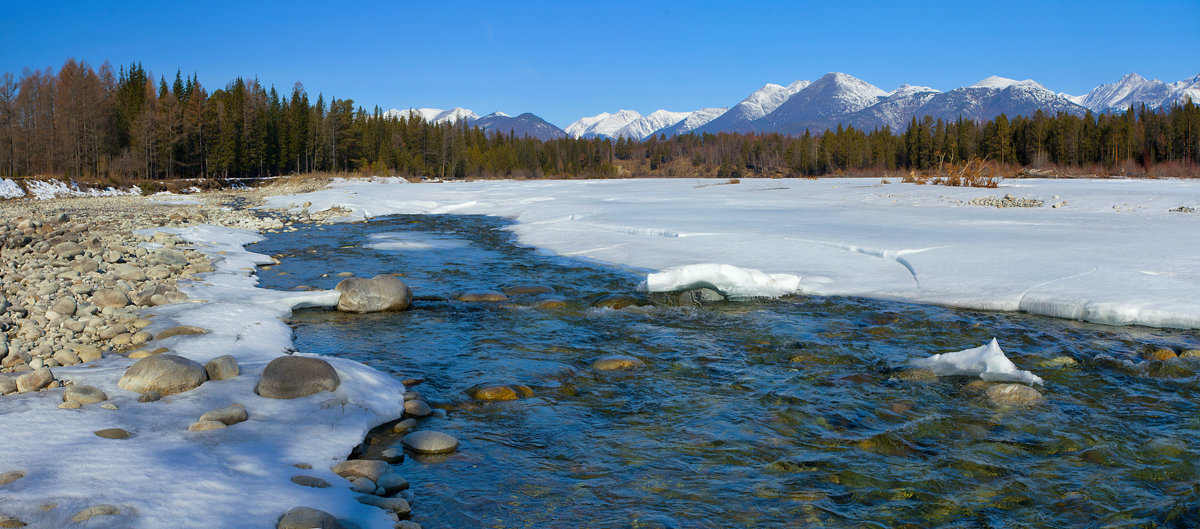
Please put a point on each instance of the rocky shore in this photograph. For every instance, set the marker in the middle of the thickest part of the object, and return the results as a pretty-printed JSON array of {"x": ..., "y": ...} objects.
[{"x": 78, "y": 280}]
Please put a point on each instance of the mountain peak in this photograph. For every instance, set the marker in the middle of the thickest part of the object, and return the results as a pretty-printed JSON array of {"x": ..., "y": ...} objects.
[{"x": 1001, "y": 83}]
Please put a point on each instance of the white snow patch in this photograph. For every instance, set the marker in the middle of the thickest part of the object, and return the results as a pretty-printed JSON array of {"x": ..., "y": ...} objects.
[
  {"x": 166, "y": 476},
  {"x": 986, "y": 361},
  {"x": 10, "y": 189},
  {"x": 54, "y": 188},
  {"x": 730, "y": 280}
]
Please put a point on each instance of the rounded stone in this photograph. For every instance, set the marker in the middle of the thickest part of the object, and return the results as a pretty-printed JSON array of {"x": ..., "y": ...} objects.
[
  {"x": 615, "y": 302},
  {"x": 68, "y": 249},
  {"x": 618, "y": 363},
  {"x": 549, "y": 304},
  {"x": 222, "y": 368},
  {"x": 430, "y": 442},
  {"x": 164, "y": 373},
  {"x": 34, "y": 380},
  {"x": 84, "y": 394},
  {"x": 144, "y": 353},
  {"x": 482, "y": 296},
  {"x": 417, "y": 408},
  {"x": 65, "y": 306},
  {"x": 496, "y": 393},
  {"x": 363, "y": 485},
  {"x": 310, "y": 481},
  {"x": 362, "y": 468},
  {"x": 381, "y": 293},
  {"x": 229, "y": 415},
  {"x": 113, "y": 433},
  {"x": 1013, "y": 395},
  {"x": 392, "y": 483},
  {"x": 11, "y": 476},
  {"x": 290, "y": 377},
  {"x": 1160, "y": 354},
  {"x": 528, "y": 290},
  {"x": 397, "y": 505},
  {"x": 916, "y": 374},
  {"x": 110, "y": 298},
  {"x": 95, "y": 510},
  {"x": 307, "y": 518},
  {"x": 7, "y": 385},
  {"x": 202, "y": 426}
]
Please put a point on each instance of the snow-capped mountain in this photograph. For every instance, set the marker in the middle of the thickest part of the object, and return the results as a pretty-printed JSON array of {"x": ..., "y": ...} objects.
[
  {"x": 824, "y": 101},
  {"x": 1135, "y": 90},
  {"x": 895, "y": 110},
  {"x": 601, "y": 125},
  {"x": 435, "y": 115},
  {"x": 523, "y": 125},
  {"x": 644, "y": 126},
  {"x": 994, "y": 96},
  {"x": 762, "y": 102},
  {"x": 693, "y": 121}
]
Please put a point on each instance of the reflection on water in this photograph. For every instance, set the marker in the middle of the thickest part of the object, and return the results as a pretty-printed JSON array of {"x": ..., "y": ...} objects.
[{"x": 778, "y": 413}]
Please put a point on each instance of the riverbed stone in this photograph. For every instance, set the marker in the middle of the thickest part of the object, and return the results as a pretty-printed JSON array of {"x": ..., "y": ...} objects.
[
  {"x": 113, "y": 433},
  {"x": 94, "y": 511},
  {"x": 204, "y": 426},
  {"x": 1013, "y": 395},
  {"x": 1189, "y": 353},
  {"x": 615, "y": 302},
  {"x": 404, "y": 426},
  {"x": 10, "y": 521},
  {"x": 34, "y": 380},
  {"x": 392, "y": 482},
  {"x": 497, "y": 393},
  {"x": 110, "y": 298},
  {"x": 550, "y": 304},
  {"x": 528, "y": 290},
  {"x": 1160, "y": 354},
  {"x": 229, "y": 415},
  {"x": 180, "y": 330},
  {"x": 618, "y": 363},
  {"x": 11, "y": 476},
  {"x": 311, "y": 481},
  {"x": 381, "y": 293},
  {"x": 397, "y": 505},
  {"x": 64, "y": 305},
  {"x": 7, "y": 384},
  {"x": 165, "y": 373},
  {"x": 68, "y": 249},
  {"x": 307, "y": 518},
  {"x": 84, "y": 394},
  {"x": 128, "y": 272},
  {"x": 417, "y": 408},
  {"x": 916, "y": 374},
  {"x": 289, "y": 377},
  {"x": 88, "y": 353},
  {"x": 222, "y": 368},
  {"x": 482, "y": 296},
  {"x": 143, "y": 353},
  {"x": 66, "y": 358},
  {"x": 430, "y": 442},
  {"x": 362, "y": 468}
]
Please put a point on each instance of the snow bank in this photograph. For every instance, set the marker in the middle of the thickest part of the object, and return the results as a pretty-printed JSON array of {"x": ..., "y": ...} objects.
[
  {"x": 53, "y": 188},
  {"x": 986, "y": 361},
  {"x": 730, "y": 280},
  {"x": 1112, "y": 252},
  {"x": 166, "y": 476},
  {"x": 10, "y": 189}
]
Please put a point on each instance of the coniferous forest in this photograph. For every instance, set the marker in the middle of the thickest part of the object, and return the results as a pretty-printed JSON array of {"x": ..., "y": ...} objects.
[{"x": 106, "y": 125}]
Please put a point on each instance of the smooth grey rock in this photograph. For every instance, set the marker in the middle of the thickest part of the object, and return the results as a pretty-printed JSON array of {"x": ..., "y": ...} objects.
[
  {"x": 84, "y": 394},
  {"x": 129, "y": 272},
  {"x": 404, "y": 426},
  {"x": 392, "y": 482},
  {"x": 307, "y": 518},
  {"x": 95, "y": 510},
  {"x": 364, "y": 468},
  {"x": 417, "y": 408},
  {"x": 363, "y": 485},
  {"x": 229, "y": 415},
  {"x": 397, "y": 505},
  {"x": 11, "y": 476},
  {"x": 110, "y": 298},
  {"x": 66, "y": 358},
  {"x": 7, "y": 385},
  {"x": 68, "y": 249},
  {"x": 430, "y": 442},
  {"x": 164, "y": 373},
  {"x": 378, "y": 294},
  {"x": 392, "y": 454},
  {"x": 64, "y": 305},
  {"x": 150, "y": 396},
  {"x": 289, "y": 377},
  {"x": 222, "y": 368}
]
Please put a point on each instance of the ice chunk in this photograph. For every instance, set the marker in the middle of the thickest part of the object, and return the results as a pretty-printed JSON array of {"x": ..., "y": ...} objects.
[
  {"x": 986, "y": 361},
  {"x": 727, "y": 279}
]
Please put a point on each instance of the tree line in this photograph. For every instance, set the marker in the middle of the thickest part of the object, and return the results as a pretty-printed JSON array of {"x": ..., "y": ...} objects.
[{"x": 122, "y": 125}]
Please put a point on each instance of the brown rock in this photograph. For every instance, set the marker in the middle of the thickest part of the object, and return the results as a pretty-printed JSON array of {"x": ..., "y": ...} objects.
[
  {"x": 289, "y": 377},
  {"x": 1160, "y": 354},
  {"x": 222, "y": 368},
  {"x": 113, "y": 433},
  {"x": 1011, "y": 395},
  {"x": 495, "y": 393},
  {"x": 179, "y": 331},
  {"x": 110, "y": 298},
  {"x": 527, "y": 290},
  {"x": 618, "y": 363},
  {"x": 164, "y": 373},
  {"x": 11, "y": 476},
  {"x": 362, "y": 468},
  {"x": 202, "y": 426},
  {"x": 34, "y": 380},
  {"x": 482, "y": 296}
]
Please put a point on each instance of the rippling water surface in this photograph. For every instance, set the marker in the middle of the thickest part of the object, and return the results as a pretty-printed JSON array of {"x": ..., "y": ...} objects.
[{"x": 782, "y": 413}]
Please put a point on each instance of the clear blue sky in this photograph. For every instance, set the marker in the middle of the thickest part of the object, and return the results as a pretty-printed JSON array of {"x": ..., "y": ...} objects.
[{"x": 563, "y": 60}]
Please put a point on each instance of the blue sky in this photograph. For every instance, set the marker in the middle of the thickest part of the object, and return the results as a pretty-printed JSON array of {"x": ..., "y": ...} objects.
[{"x": 564, "y": 60}]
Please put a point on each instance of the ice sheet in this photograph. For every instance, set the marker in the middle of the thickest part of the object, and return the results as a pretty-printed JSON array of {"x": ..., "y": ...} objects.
[
  {"x": 986, "y": 361},
  {"x": 730, "y": 280},
  {"x": 166, "y": 476},
  {"x": 1112, "y": 251}
]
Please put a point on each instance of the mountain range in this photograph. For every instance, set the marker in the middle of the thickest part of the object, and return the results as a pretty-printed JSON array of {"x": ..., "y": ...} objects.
[{"x": 839, "y": 99}]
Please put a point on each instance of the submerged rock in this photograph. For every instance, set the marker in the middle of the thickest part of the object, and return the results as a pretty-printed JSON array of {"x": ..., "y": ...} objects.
[
  {"x": 290, "y": 377},
  {"x": 505, "y": 392},
  {"x": 430, "y": 442},
  {"x": 1012, "y": 395},
  {"x": 916, "y": 374},
  {"x": 482, "y": 296},
  {"x": 528, "y": 290},
  {"x": 618, "y": 363},
  {"x": 615, "y": 302},
  {"x": 381, "y": 293},
  {"x": 1160, "y": 354}
]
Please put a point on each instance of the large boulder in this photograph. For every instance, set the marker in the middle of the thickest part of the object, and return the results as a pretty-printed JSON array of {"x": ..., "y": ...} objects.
[
  {"x": 378, "y": 294},
  {"x": 307, "y": 518},
  {"x": 164, "y": 373},
  {"x": 290, "y": 377}
]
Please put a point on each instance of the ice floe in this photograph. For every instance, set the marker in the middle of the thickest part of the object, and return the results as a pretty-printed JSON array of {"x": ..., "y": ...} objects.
[{"x": 988, "y": 362}]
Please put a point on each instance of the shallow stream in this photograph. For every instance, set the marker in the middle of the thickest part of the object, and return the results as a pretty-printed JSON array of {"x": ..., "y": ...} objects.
[{"x": 778, "y": 413}]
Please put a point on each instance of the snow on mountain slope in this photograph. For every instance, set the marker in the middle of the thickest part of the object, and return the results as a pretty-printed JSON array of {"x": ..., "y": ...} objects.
[
  {"x": 435, "y": 115},
  {"x": 821, "y": 103},
  {"x": 695, "y": 120},
  {"x": 895, "y": 111},
  {"x": 1135, "y": 90},
  {"x": 601, "y": 125},
  {"x": 1001, "y": 83},
  {"x": 523, "y": 125},
  {"x": 646, "y": 125},
  {"x": 762, "y": 102}
]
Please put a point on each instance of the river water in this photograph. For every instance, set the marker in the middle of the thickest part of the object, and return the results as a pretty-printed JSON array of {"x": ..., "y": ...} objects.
[{"x": 794, "y": 412}]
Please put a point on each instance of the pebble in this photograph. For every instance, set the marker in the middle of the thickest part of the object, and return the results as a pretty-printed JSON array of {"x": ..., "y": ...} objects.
[
  {"x": 34, "y": 380},
  {"x": 430, "y": 442},
  {"x": 113, "y": 433},
  {"x": 7, "y": 385},
  {"x": 89, "y": 353},
  {"x": 417, "y": 408},
  {"x": 95, "y": 510},
  {"x": 310, "y": 481},
  {"x": 11, "y": 476},
  {"x": 229, "y": 415}
]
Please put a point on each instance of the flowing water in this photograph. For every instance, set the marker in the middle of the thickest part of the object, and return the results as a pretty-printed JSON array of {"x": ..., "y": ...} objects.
[{"x": 795, "y": 412}]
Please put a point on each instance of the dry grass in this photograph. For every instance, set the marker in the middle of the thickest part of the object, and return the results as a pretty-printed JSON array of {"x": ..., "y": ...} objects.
[{"x": 974, "y": 173}]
